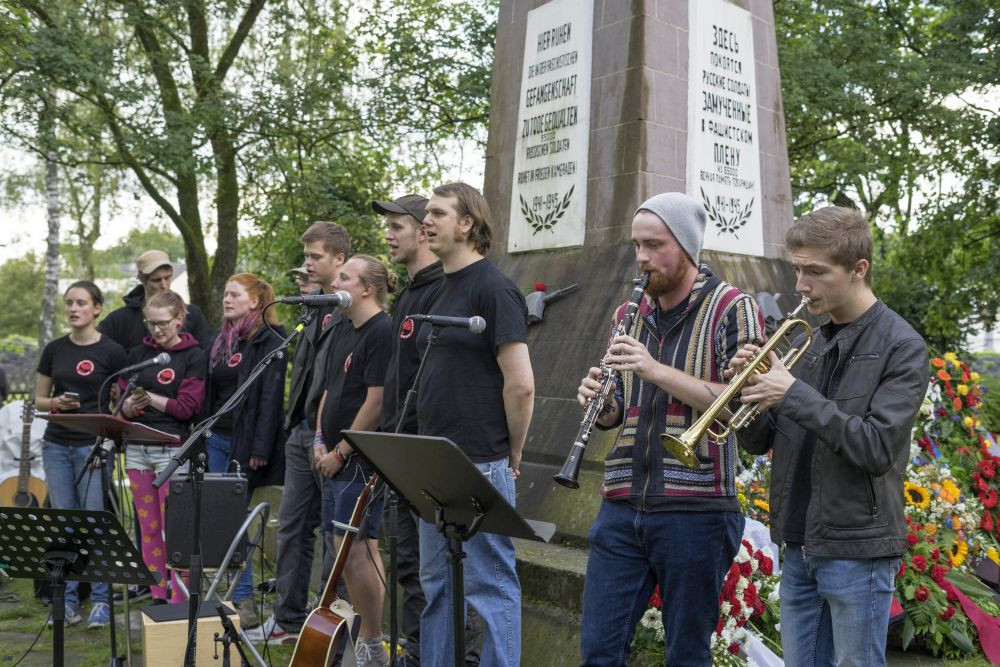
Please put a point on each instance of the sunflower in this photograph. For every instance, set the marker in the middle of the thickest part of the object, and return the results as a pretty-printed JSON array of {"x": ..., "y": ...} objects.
[
  {"x": 762, "y": 504},
  {"x": 958, "y": 551},
  {"x": 916, "y": 495},
  {"x": 993, "y": 555}
]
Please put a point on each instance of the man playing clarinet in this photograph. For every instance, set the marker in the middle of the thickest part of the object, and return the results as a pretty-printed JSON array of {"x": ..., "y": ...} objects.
[{"x": 662, "y": 522}]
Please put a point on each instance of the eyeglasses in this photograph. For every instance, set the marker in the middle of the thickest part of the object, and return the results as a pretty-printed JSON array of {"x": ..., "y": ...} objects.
[{"x": 151, "y": 325}]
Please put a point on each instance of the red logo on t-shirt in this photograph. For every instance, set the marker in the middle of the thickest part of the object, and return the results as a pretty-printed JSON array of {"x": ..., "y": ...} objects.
[
  {"x": 326, "y": 320},
  {"x": 235, "y": 360},
  {"x": 85, "y": 367},
  {"x": 166, "y": 376},
  {"x": 406, "y": 328},
  {"x": 347, "y": 361}
]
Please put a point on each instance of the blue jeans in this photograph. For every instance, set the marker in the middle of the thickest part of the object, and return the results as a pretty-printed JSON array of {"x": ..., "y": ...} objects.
[
  {"x": 835, "y": 611},
  {"x": 62, "y": 463},
  {"x": 491, "y": 587},
  {"x": 687, "y": 553},
  {"x": 217, "y": 447}
]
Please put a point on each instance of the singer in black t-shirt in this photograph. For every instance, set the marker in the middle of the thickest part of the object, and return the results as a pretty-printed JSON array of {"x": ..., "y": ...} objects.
[
  {"x": 477, "y": 390},
  {"x": 356, "y": 368},
  {"x": 70, "y": 374}
]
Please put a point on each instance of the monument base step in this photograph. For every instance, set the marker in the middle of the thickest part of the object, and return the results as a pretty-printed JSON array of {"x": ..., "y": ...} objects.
[{"x": 551, "y": 600}]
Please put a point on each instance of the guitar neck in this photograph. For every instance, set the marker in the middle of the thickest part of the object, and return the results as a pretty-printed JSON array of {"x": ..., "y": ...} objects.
[{"x": 24, "y": 467}]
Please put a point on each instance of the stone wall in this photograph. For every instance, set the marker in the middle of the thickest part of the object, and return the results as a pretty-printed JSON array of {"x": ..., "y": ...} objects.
[{"x": 638, "y": 144}]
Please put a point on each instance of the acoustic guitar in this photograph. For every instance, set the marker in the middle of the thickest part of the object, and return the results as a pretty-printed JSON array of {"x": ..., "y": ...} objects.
[
  {"x": 328, "y": 629},
  {"x": 24, "y": 490}
]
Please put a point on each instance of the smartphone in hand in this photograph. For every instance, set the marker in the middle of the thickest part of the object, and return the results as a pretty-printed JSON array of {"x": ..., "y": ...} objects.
[{"x": 72, "y": 395}]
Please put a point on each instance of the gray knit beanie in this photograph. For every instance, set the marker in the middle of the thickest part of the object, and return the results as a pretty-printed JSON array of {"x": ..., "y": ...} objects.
[{"x": 684, "y": 216}]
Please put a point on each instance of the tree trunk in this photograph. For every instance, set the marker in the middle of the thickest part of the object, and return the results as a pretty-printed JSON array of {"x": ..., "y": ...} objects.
[
  {"x": 227, "y": 200},
  {"x": 89, "y": 237},
  {"x": 47, "y": 321}
]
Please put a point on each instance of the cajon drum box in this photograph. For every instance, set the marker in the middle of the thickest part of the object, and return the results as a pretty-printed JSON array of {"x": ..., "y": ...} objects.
[{"x": 164, "y": 634}]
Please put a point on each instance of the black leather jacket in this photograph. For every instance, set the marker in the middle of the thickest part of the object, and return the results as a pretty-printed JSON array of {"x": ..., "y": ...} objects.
[{"x": 862, "y": 435}]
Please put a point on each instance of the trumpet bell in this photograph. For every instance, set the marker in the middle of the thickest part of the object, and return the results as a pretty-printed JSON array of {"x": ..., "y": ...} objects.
[{"x": 682, "y": 450}]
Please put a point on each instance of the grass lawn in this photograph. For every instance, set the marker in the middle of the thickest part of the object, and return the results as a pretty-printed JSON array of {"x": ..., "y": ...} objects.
[{"x": 22, "y": 616}]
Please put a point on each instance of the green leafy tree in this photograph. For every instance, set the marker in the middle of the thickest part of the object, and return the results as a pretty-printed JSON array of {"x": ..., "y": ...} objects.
[
  {"x": 23, "y": 279},
  {"x": 883, "y": 112}
]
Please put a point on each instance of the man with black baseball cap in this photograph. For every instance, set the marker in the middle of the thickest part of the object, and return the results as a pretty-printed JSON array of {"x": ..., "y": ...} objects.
[
  {"x": 407, "y": 241},
  {"x": 411, "y": 205}
]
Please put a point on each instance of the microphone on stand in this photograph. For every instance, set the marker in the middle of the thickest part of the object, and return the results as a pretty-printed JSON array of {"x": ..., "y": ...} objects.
[
  {"x": 475, "y": 324},
  {"x": 159, "y": 360},
  {"x": 339, "y": 298}
]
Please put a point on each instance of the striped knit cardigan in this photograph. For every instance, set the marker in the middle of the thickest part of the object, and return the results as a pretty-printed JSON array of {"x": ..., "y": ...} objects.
[{"x": 718, "y": 320}]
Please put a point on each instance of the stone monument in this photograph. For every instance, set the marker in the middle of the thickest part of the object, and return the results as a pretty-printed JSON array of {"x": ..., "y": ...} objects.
[{"x": 597, "y": 105}]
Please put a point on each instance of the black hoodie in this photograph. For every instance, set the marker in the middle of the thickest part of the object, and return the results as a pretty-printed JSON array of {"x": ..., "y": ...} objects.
[
  {"x": 405, "y": 359},
  {"x": 125, "y": 327}
]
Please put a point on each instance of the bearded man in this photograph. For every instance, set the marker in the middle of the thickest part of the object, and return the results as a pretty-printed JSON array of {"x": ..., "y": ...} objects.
[{"x": 665, "y": 521}]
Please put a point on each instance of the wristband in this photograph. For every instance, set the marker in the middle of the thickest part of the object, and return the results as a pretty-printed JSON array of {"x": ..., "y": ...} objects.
[
  {"x": 318, "y": 438},
  {"x": 336, "y": 453}
]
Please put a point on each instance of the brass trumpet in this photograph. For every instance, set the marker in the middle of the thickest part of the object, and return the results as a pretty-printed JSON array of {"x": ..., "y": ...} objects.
[{"x": 683, "y": 448}]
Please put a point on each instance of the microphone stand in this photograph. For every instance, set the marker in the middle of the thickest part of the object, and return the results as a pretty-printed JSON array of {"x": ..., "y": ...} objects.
[
  {"x": 229, "y": 636},
  {"x": 393, "y": 498},
  {"x": 184, "y": 454},
  {"x": 100, "y": 454}
]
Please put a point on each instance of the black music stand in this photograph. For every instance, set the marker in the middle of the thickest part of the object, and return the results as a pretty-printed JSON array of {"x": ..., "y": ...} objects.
[
  {"x": 60, "y": 545},
  {"x": 110, "y": 428},
  {"x": 446, "y": 489},
  {"x": 121, "y": 432}
]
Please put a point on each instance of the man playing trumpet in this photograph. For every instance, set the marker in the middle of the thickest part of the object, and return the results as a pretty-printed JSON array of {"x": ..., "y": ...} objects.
[
  {"x": 662, "y": 522},
  {"x": 839, "y": 426}
]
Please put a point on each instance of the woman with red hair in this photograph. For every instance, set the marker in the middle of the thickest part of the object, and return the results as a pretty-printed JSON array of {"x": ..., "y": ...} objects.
[{"x": 247, "y": 438}]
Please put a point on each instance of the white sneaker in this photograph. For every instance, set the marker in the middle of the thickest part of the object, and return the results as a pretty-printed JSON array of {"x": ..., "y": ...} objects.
[
  {"x": 70, "y": 617},
  {"x": 271, "y": 632},
  {"x": 371, "y": 655}
]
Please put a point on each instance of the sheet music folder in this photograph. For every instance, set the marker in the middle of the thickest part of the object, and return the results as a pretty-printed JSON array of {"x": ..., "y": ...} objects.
[
  {"x": 414, "y": 465},
  {"x": 111, "y": 428}
]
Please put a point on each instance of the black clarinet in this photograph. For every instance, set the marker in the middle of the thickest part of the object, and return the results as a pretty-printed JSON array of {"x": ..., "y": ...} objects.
[{"x": 571, "y": 468}]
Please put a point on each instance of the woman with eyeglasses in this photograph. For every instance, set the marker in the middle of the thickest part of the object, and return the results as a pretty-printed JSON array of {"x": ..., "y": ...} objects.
[
  {"x": 249, "y": 439},
  {"x": 166, "y": 397},
  {"x": 70, "y": 373}
]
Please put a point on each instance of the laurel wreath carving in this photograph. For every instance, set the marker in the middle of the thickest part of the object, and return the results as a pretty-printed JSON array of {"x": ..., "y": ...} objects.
[
  {"x": 725, "y": 224},
  {"x": 545, "y": 222}
]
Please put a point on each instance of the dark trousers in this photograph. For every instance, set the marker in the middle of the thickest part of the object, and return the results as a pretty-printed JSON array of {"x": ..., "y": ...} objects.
[
  {"x": 408, "y": 576},
  {"x": 298, "y": 519},
  {"x": 687, "y": 553}
]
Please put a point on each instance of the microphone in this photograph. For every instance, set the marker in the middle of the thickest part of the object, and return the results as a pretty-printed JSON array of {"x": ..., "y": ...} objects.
[
  {"x": 475, "y": 324},
  {"x": 339, "y": 298},
  {"x": 159, "y": 360}
]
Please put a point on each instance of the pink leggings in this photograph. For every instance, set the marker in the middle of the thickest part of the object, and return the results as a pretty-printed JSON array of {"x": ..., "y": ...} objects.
[{"x": 149, "y": 506}]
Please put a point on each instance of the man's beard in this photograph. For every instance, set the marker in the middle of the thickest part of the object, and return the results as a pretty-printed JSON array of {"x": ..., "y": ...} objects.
[{"x": 661, "y": 284}]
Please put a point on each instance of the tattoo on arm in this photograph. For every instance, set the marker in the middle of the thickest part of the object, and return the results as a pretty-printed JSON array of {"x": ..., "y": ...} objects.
[
  {"x": 711, "y": 391},
  {"x": 607, "y": 409}
]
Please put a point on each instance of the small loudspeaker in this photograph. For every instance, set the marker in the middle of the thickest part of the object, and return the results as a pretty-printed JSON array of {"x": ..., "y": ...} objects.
[{"x": 223, "y": 510}]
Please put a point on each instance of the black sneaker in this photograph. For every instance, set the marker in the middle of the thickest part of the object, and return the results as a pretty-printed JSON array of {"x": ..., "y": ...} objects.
[{"x": 135, "y": 593}]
